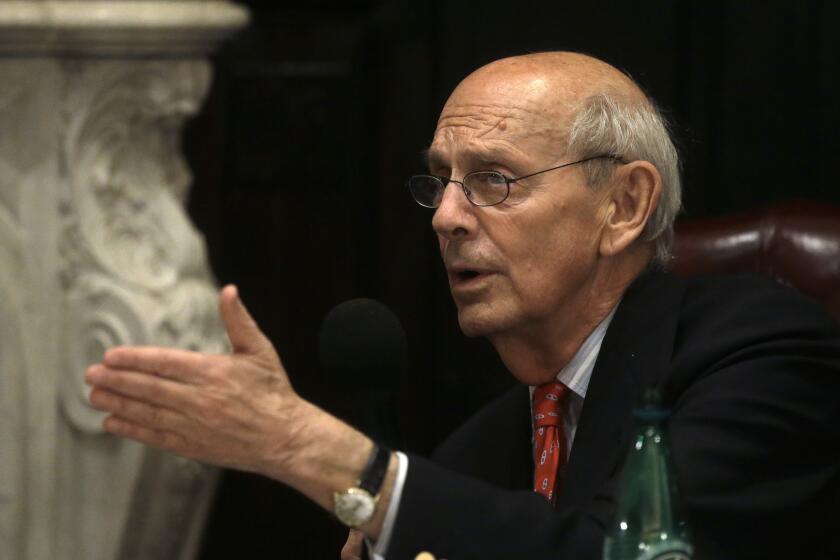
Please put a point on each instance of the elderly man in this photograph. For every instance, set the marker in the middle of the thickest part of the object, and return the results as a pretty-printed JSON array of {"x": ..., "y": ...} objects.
[{"x": 555, "y": 186}]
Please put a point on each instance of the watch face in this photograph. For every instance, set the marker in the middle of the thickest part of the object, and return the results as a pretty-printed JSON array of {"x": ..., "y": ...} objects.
[{"x": 354, "y": 506}]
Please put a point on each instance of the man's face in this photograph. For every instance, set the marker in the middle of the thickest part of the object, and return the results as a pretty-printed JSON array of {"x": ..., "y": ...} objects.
[{"x": 524, "y": 264}]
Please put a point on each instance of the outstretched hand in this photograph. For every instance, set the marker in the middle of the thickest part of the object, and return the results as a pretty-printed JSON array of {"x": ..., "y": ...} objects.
[{"x": 235, "y": 410}]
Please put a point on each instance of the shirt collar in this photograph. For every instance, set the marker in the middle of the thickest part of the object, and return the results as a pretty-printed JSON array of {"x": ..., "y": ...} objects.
[
  {"x": 578, "y": 371},
  {"x": 576, "y": 374}
]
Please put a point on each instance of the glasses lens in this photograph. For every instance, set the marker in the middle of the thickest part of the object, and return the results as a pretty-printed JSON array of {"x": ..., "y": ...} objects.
[
  {"x": 426, "y": 190},
  {"x": 486, "y": 188}
]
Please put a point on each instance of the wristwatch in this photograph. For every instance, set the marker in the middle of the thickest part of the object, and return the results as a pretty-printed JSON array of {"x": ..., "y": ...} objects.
[{"x": 356, "y": 505}]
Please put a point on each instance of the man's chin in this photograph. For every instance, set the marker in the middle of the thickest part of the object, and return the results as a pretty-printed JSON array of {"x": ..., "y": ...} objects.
[
  {"x": 475, "y": 324},
  {"x": 472, "y": 331}
]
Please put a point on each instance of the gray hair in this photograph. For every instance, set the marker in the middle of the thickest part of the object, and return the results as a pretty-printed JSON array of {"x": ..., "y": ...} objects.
[{"x": 630, "y": 130}]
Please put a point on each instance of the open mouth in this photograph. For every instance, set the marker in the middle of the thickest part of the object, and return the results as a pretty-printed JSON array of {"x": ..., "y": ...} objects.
[
  {"x": 467, "y": 274},
  {"x": 469, "y": 278}
]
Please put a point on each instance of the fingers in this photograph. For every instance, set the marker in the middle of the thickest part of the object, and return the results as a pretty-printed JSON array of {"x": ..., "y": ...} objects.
[
  {"x": 171, "y": 363},
  {"x": 140, "y": 386},
  {"x": 244, "y": 334},
  {"x": 156, "y": 438},
  {"x": 137, "y": 412},
  {"x": 352, "y": 549}
]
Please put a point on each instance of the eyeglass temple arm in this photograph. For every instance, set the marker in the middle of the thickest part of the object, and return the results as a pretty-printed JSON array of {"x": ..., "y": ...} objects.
[{"x": 605, "y": 156}]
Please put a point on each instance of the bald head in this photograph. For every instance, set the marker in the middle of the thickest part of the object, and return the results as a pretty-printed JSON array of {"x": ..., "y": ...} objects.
[
  {"x": 576, "y": 75},
  {"x": 549, "y": 86}
]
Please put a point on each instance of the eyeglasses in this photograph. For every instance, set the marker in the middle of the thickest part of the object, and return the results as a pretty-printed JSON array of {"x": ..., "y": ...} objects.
[{"x": 482, "y": 188}]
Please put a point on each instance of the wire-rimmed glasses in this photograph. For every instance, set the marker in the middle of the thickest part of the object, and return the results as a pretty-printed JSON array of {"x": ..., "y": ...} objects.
[{"x": 482, "y": 188}]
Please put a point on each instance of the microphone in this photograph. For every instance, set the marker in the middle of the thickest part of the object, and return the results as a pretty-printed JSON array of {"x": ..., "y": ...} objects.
[{"x": 363, "y": 353}]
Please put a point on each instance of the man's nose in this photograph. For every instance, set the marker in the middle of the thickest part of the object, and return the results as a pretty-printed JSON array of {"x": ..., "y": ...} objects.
[{"x": 455, "y": 216}]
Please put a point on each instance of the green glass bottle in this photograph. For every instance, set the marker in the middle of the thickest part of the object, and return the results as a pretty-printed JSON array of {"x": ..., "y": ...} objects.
[{"x": 649, "y": 523}]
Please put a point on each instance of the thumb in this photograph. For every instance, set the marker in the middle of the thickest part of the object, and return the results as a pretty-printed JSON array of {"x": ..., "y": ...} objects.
[
  {"x": 352, "y": 549},
  {"x": 244, "y": 334}
]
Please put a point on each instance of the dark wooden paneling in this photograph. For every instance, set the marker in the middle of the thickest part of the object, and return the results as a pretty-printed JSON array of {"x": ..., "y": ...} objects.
[{"x": 286, "y": 190}]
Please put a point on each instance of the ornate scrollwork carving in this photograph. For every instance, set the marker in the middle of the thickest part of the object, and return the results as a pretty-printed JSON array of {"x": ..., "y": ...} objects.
[
  {"x": 92, "y": 188},
  {"x": 133, "y": 266},
  {"x": 99, "y": 314},
  {"x": 128, "y": 180}
]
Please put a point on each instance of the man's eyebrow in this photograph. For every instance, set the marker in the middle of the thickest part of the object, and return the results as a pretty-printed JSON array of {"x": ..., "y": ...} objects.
[
  {"x": 483, "y": 155},
  {"x": 432, "y": 158}
]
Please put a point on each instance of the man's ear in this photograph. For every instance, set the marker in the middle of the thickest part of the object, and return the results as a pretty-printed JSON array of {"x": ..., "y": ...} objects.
[{"x": 634, "y": 195}]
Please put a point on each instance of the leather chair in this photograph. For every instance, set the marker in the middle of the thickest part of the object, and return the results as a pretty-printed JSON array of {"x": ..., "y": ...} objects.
[{"x": 796, "y": 243}]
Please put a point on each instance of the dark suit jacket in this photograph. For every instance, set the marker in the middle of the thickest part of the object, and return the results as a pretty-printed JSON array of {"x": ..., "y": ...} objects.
[{"x": 751, "y": 371}]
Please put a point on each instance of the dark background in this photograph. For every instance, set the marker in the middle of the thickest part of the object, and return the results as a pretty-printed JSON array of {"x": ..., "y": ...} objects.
[{"x": 319, "y": 112}]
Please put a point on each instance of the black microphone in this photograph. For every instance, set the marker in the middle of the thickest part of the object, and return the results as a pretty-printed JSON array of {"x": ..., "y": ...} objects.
[{"x": 363, "y": 353}]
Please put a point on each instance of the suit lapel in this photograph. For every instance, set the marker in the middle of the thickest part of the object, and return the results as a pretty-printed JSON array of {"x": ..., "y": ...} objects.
[
  {"x": 495, "y": 444},
  {"x": 636, "y": 352}
]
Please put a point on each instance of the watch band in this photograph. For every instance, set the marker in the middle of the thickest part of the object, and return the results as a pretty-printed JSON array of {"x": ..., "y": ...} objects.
[{"x": 373, "y": 475}]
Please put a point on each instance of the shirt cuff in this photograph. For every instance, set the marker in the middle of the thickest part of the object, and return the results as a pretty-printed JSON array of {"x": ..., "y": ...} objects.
[{"x": 377, "y": 550}]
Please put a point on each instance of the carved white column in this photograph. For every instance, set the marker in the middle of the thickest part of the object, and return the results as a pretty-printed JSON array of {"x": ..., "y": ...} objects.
[{"x": 96, "y": 250}]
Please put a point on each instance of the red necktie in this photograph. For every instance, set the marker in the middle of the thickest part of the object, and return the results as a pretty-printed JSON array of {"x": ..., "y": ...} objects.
[{"x": 549, "y": 439}]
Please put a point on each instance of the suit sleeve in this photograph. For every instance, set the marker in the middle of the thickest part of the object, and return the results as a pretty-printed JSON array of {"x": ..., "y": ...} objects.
[
  {"x": 474, "y": 499},
  {"x": 455, "y": 516}
]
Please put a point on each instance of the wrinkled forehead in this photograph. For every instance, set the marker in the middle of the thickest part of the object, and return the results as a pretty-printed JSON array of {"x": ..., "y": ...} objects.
[{"x": 495, "y": 113}]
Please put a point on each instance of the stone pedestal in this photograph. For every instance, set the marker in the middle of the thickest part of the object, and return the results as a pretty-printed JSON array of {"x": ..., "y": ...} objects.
[{"x": 96, "y": 250}]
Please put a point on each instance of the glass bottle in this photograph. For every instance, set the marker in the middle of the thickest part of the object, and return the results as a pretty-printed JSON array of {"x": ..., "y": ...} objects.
[{"x": 649, "y": 522}]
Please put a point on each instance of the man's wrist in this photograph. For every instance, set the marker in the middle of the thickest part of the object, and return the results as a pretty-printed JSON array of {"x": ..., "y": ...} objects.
[
  {"x": 373, "y": 527},
  {"x": 321, "y": 456},
  {"x": 357, "y": 504},
  {"x": 390, "y": 506},
  {"x": 282, "y": 459}
]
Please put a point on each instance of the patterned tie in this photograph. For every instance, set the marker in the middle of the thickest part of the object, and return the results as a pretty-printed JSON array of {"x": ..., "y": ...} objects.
[{"x": 549, "y": 439}]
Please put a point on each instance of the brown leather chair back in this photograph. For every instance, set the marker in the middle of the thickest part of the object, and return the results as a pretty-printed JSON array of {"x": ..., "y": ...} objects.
[{"x": 796, "y": 243}]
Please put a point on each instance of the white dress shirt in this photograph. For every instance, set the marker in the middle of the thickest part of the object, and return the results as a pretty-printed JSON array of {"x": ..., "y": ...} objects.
[{"x": 575, "y": 375}]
